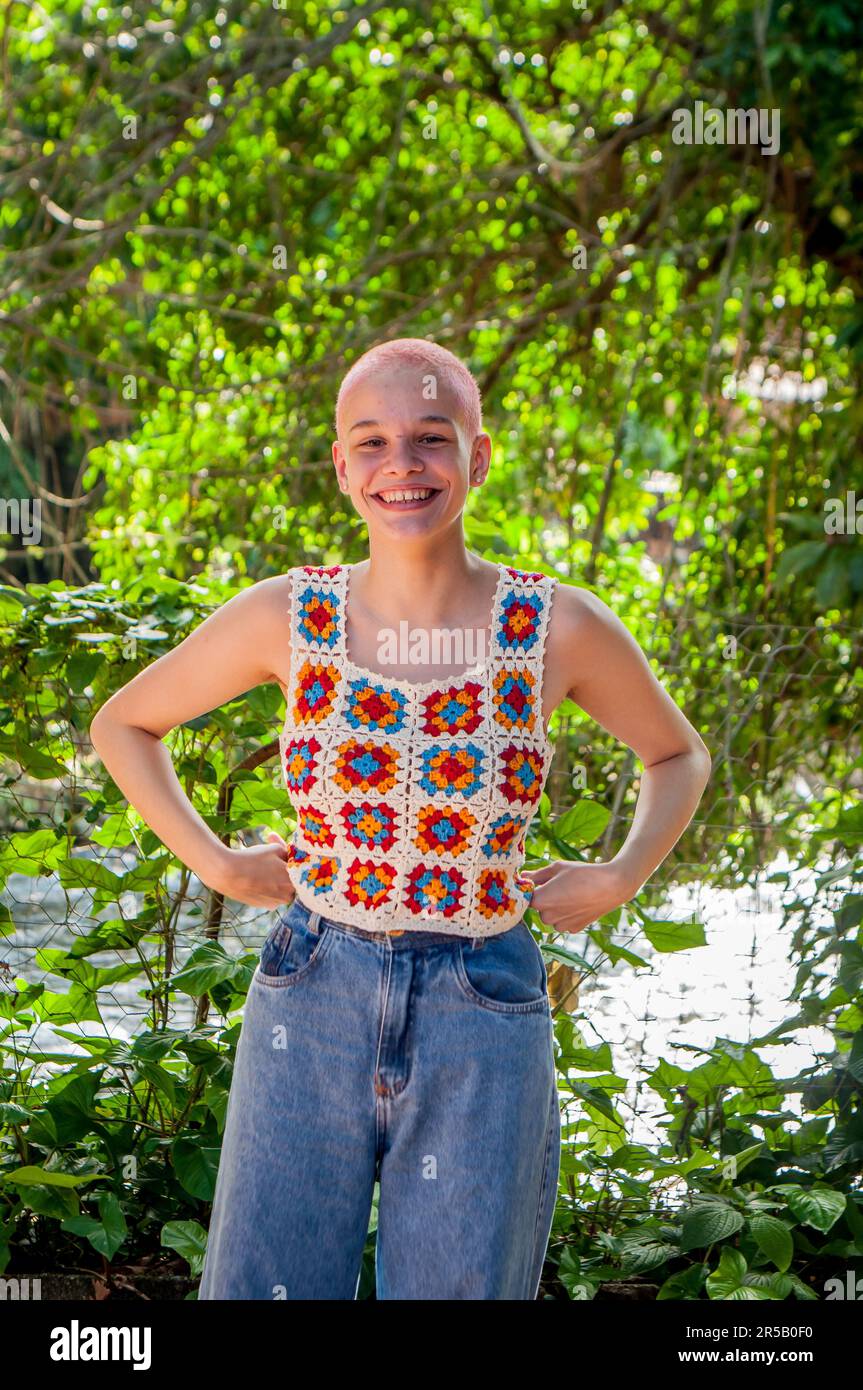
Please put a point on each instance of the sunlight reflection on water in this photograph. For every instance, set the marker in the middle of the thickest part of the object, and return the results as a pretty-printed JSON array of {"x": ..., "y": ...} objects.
[{"x": 736, "y": 987}]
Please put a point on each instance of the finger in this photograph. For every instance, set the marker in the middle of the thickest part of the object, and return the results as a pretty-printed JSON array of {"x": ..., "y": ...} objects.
[
  {"x": 540, "y": 899},
  {"x": 275, "y": 838},
  {"x": 543, "y": 874},
  {"x": 547, "y": 921},
  {"x": 547, "y": 898}
]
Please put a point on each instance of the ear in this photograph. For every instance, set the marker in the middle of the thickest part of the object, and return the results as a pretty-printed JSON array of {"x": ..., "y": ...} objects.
[
  {"x": 480, "y": 458},
  {"x": 340, "y": 465}
]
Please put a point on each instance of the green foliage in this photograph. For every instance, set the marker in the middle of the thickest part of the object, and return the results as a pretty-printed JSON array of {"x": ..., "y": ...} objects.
[
  {"x": 116, "y": 1146},
  {"x": 747, "y": 1199},
  {"x": 197, "y": 237}
]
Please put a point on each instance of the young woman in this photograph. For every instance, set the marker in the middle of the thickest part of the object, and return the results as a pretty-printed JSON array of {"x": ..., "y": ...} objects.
[{"x": 397, "y": 1026}]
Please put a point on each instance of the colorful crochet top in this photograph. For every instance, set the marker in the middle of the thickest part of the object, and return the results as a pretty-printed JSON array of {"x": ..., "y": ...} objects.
[{"x": 413, "y": 800}]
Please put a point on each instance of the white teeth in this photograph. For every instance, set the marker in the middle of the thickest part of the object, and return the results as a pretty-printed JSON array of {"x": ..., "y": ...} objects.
[{"x": 415, "y": 495}]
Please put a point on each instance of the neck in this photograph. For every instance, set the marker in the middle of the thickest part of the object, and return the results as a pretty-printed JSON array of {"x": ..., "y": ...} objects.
[{"x": 428, "y": 580}]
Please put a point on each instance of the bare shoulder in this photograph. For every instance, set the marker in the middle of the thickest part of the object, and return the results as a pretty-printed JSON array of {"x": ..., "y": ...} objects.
[
  {"x": 263, "y": 604},
  {"x": 254, "y": 624},
  {"x": 578, "y": 615},
  {"x": 267, "y": 606},
  {"x": 578, "y": 607},
  {"x": 271, "y": 596},
  {"x": 584, "y": 635}
]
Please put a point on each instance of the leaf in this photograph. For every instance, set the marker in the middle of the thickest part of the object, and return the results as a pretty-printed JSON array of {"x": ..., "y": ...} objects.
[
  {"x": 726, "y": 1282},
  {"x": 645, "y": 1250},
  {"x": 43, "y": 1177},
  {"x": 586, "y": 1058},
  {"x": 855, "y": 1057},
  {"x": 850, "y": 914},
  {"x": 581, "y": 824},
  {"x": 729, "y": 1275},
  {"x": 80, "y": 871},
  {"x": 820, "y": 1207},
  {"x": 70, "y": 1110},
  {"x": 577, "y": 1284},
  {"x": 106, "y": 1235},
  {"x": 674, "y": 936},
  {"x": 566, "y": 957},
  {"x": 684, "y": 1286},
  {"x": 798, "y": 559},
  {"x": 809, "y": 523},
  {"x": 708, "y": 1223},
  {"x": 189, "y": 1239},
  {"x": 32, "y": 852},
  {"x": 831, "y": 586},
  {"x": 744, "y": 1157},
  {"x": 773, "y": 1239},
  {"x": 7, "y": 922},
  {"x": 11, "y": 603},
  {"x": 196, "y": 1165},
  {"x": 207, "y": 966},
  {"x": 13, "y": 1114},
  {"x": 114, "y": 1229},
  {"x": 38, "y": 763},
  {"x": 81, "y": 668}
]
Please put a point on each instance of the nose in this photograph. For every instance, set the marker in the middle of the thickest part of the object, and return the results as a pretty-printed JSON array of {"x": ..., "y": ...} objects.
[{"x": 402, "y": 457}]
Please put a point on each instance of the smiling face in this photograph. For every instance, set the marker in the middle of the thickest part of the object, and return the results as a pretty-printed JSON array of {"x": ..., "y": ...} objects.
[{"x": 406, "y": 461}]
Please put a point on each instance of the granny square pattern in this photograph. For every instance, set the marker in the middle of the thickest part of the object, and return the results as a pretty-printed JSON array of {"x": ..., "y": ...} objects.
[{"x": 414, "y": 799}]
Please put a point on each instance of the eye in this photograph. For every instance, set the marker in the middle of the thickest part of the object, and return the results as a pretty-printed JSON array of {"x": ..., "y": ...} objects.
[
  {"x": 435, "y": 437},
  {"x": 373, "y": 442}
]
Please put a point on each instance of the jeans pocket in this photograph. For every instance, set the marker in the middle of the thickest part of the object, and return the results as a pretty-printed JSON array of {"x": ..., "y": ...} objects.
[
  {"x": 274, "y": 947},
  {"x": 291, "y": 948},
  {"x": 506, "y": 973}
]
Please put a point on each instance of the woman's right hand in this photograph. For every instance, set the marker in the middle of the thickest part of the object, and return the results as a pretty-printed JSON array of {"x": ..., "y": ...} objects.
[{"x": 257, "y": 875}]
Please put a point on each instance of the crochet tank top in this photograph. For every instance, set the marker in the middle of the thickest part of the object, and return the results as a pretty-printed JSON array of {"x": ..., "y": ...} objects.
[{"x": 413, "y": 800}]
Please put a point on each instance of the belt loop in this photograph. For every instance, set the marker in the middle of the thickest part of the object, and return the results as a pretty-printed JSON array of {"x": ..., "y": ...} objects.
[
  {"x": 476, "y": 943},
  {"x": 315, "y": 922}
]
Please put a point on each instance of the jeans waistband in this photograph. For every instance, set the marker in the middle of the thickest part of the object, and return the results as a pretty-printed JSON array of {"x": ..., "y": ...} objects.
[{"x": 400, "y": 938}]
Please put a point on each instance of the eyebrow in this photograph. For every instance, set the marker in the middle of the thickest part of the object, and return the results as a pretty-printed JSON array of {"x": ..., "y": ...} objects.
[{"x": 439, "y": 419}]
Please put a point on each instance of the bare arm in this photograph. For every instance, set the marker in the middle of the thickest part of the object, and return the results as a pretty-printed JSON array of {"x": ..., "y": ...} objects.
[
  {"x": 612, "y": 681},
  {"x": 614, "y": 684},
  {"x": 226, "y": 655}
]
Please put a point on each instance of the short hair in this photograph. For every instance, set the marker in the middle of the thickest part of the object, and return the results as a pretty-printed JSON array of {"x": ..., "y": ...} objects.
[{"x": 419, "y": 352}]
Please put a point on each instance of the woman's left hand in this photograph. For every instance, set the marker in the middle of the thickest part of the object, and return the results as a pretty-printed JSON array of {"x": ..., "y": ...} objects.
[{"x": 570, "y": 896}]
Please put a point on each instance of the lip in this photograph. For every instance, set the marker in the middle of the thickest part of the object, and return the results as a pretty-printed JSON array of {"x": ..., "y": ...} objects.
[{"x": 418, "y": 506}]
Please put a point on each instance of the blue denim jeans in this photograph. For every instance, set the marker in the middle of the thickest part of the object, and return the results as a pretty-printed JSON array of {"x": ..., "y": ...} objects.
[{"x": 419, "y": 1059}]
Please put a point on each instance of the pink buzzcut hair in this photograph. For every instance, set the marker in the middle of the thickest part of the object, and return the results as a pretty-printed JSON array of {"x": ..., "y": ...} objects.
[{"x": 419, "y": 352}]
